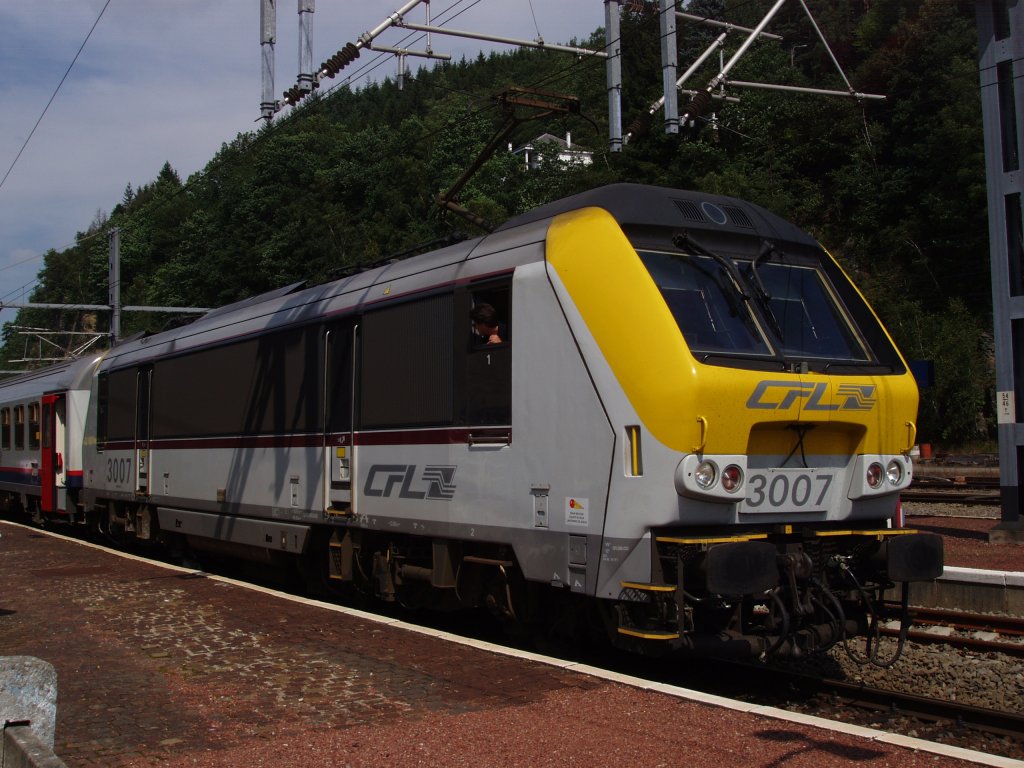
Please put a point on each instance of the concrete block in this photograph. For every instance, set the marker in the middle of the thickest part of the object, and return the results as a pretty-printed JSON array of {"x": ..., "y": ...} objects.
[
  {"x": 21, "y": 748},
  {"x": 28, "y": 691},
  {"x": 973, "y": 576}
]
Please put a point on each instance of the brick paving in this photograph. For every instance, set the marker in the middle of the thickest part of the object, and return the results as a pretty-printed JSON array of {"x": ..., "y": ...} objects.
[
  {"x": 147, "y": 658},
  {"x": 159, "y": 667}
]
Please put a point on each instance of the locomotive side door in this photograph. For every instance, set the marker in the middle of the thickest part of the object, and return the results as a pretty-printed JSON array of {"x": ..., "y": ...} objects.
[
  {"x": 143, "y": 460},
  {"x": 340, "y": 342},
  {"x": 51, "y": 459}
]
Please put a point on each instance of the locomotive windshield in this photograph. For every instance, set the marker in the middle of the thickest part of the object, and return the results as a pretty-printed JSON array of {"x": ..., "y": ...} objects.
[
  {"x": 708, "y": 306},
  {"x": 757, "y": 309},
  {"x": 810, "y": 322}
]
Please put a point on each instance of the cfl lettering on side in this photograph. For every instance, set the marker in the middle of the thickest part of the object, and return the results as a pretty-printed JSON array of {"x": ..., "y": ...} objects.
[{"x": 434, "y": 482}]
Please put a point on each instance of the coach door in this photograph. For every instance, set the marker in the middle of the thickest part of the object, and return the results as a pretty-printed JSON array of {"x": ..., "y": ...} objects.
[
  {"x": 143, "y": 460},
  {"x": 51, "y": 460},
  {"x": 339, "y": 408}
]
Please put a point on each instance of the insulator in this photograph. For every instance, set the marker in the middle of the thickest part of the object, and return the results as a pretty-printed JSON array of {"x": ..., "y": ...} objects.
[
  {"x": 697, "y": 105},
  {"x": 641, "y": 126},
  {"x": 340, "y": 60},
  {"x": 641, "y": 6}
]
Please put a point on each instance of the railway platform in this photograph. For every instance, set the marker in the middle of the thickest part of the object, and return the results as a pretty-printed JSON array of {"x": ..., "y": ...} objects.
[
  {"x": 162, "y": 666},
  {"x": 980, "y": 576}
]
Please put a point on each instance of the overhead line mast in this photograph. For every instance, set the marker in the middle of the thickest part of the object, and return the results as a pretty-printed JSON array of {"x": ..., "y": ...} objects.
[{"x": 699, "y": 99}]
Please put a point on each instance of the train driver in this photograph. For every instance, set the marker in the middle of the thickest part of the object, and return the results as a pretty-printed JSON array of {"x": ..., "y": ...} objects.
[{"x": 486, "y": 327}]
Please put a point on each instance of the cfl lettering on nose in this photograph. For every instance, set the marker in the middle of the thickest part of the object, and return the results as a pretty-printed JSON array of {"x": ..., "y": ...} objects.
[{"x": 781, "y": 395}]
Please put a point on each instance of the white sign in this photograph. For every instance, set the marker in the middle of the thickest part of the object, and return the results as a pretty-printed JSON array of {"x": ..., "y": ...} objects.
[
  {"x": 577, "y": 511},
  {"x": 1006, "y": 409}
]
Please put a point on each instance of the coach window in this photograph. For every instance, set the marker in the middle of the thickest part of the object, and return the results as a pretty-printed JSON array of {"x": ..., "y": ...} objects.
[
  {"x": 5, "y": 429},
  {"x": 19, "y": 427},
  {"x": 33, "y": 426},
  {"x": 487, "y": 395}
]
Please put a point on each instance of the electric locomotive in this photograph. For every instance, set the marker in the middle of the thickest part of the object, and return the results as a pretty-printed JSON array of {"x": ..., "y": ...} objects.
[{"x": 691, "y": 434}]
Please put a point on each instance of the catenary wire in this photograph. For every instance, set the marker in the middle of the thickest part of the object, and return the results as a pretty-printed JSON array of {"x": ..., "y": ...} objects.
[{"x": 54, "y": 95}]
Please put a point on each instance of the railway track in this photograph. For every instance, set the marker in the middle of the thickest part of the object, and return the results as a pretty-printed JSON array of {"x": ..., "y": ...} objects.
[
  {"x": 855, "y": 702},
  {"x": 951, "y": 497},
  {"x": 846, "y": 693},
  {"x": 967, "y": 490},
  {"x": 991, "y": 633}
]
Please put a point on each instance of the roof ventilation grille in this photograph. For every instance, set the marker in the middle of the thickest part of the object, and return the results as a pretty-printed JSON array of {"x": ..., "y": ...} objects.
[
  {"x": 689, "y": 210},
  {"x": 738, "y": 217}
]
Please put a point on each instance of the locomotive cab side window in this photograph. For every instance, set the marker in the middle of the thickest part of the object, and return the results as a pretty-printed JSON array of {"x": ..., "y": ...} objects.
[
  {"x": 487, "y": 399},
  {"x": 5, "y": 429}
]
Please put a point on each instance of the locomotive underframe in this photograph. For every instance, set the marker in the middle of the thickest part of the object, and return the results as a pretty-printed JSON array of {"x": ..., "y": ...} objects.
[
  {"x": 775, "y": 592},
  {"x": 769, "y": 594}
]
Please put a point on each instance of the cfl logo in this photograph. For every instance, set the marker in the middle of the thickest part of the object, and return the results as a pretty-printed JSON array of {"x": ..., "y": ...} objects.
[
  {"x": 434, "y": 482},
  {"x": 781, "y": 395}
]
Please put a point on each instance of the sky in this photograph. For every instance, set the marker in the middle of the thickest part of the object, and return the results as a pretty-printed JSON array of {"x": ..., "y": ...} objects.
[{"x": 171, "y": 81}]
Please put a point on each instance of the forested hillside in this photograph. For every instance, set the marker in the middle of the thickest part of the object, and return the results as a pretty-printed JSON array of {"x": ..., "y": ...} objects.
[{"x": 895, "y": 189}]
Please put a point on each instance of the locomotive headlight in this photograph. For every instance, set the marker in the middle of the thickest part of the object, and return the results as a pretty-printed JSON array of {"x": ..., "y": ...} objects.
[
  {"x": 705, "y": 475},
  {"x": 732, "y": 478},
  {"x": 874, "y": 474},
  {"x": 894, "y": 472},
  {"x": 718, "y": 478}
]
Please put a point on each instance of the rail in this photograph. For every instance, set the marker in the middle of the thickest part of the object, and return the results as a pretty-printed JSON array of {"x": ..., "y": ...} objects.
[
  {"x": 963, "y": 489},
  {"x": 992, "y": 721},
  {"x": 1000, "y": 628}
]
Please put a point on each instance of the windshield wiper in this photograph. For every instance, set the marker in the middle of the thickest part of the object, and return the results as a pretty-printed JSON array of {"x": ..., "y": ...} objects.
[
  {"x": 767, "y": 249},
  {"x": 764, "y": 297},
  {"x": 684, "y": 239}
]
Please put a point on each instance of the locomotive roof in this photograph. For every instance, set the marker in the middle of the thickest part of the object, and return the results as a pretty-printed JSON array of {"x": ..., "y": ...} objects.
[
  {"x": 632, "y": 205},
  {"x": 646, "y": 205},
  {"x": 296, "y": 305}
]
